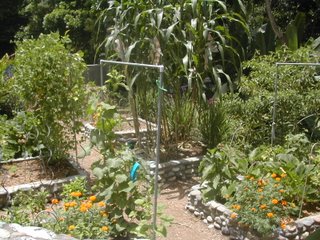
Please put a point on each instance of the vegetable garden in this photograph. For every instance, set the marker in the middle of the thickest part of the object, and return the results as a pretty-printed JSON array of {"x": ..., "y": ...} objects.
[{"x": 255, "y": 117}]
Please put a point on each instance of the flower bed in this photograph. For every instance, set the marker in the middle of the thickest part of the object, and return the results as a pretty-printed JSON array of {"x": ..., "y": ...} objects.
[
  {"x": 52, "y": 185},
  {"x": 218, "y": 216}
]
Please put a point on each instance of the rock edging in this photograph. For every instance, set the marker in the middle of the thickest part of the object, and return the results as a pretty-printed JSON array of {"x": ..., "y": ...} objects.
[{"x": 217, "y": 216}]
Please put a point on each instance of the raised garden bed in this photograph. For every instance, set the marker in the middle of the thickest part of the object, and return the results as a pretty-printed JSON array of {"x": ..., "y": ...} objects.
[
  {"x": 26, "y": 174},
  {"x": 218, "y": 216}
]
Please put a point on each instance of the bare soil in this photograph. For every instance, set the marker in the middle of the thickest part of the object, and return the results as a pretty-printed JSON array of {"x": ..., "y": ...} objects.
[{"x": 16, "y": 173}]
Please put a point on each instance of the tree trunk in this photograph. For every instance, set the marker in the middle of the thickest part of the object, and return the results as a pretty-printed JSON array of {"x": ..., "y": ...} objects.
[{"x": 277, "y": 31}]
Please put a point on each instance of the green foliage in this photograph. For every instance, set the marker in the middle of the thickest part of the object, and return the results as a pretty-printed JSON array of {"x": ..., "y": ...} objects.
[
  {"x": 19, "y": 137},
  {"x": 220, "y": 167},
  {"x": 8, "y": 98},
  {"x": 130, "y": 201},
  {"x": 78, "y": 214},
  {"x": 192, "y": 39},
  {"x": 261, "y": 203},
  {"x": 25, "y": 206},
  {"x": 77, "y": 18},
  {"x": 297, "y": 97},
  {"x": 213, "y": 123},
  {"x": 79, "y": 184},
  {"x": 50, "y": 83}
]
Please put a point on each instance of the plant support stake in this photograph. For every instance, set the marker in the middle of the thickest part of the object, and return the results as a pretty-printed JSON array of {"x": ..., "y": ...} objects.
[{"x": 159, "y": 104}]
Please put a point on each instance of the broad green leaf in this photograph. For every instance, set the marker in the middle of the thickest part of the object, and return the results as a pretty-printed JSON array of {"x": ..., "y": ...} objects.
[
  {"x": 216, "y": 181},
  {"x": 139, "y": 202},
  {"x": 98, "y": 172},
  {"x": 120, "y": 178}
]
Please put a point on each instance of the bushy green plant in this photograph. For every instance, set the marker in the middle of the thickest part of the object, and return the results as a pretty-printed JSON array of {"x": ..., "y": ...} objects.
[
  {"x": 25, "y": 206},
  {"x": 79, "y": 184},
  {"x": 297, "y": 97},
  {"x": 261, "y": 204},
  {"x": 19, "y": 136},
  {"x": 130, "y": 201},
  {"x": 79, "y": 215},
  {"x": 220, "y": 167},
  {"x": 50, "y": 83}
]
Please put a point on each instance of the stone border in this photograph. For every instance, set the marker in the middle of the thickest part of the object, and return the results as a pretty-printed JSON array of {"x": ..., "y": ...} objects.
[
  {"x": 52, "y": 186},
  {"x": 217, "y": 216},
  {"x": 176, "y": 169}
]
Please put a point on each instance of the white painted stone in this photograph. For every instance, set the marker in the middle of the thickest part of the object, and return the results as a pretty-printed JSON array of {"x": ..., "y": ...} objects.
[{"x": 4, "y": 234}]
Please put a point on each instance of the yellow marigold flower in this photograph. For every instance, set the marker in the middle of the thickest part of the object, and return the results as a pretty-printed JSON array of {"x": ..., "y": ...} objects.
[
  {"x": 263, "y": 206},
  {"x": 103, "y": 213},
  {"x": 83, "y": 209},
  {"x": 105, "y": 228},
  {"x": 270, "y": 215},
  {"x": 54, "y": 201},
  {"x": 92, "y": 198},
  {"x": 278, "y": 179},
  {"x": 76, "y": 194},
  {"x": 273, "y": 175},
  {"x": 274, "y": 201},
  {"x": 233, "y": 215},
  {"x": 71, "y": 227},
  {"x": 101, "y": 204}
]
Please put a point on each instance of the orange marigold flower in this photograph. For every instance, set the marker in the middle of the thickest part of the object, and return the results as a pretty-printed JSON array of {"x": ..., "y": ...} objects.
[
  {"x": 103, "y": 213},
  {"x": 236, "y": 206},
  {"x": 270, "y": 215},
  {"x": 261, "y": 182},
  {"x": 61, "y": 219},
  {"x": 71, "y": 227},
  {"x": 284, "y": 203},
  {"x": 260, "y": 189},
  {"x": 83, "y": 208},
  {"x": 72, "y": 204},
  {"x": 105, "y": 228},
  {"x": 278, "y": 179},
  {"x": 76, "y": 194},
  {"x": 283, "y": 226},
  {"x": 261, "y": 196},
  {"x": 251, "y": 178},
  {"x": 281, "y": 191},
  {"x": 101, "y": 204},
  {"x": 92, "y": 198},
  {"x": 274, "y": 201},
  {"x": 263, "y": 206},
  {"x": 253, "y": 209},
  {"x": 233, "y": 215},
  {"x": 273, "y": 175},
  {"x": 283, "y": 175},
  {"x": 54, "y": 201}
]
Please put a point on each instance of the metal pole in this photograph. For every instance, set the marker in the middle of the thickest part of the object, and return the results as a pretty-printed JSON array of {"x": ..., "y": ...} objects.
[
  {"x": 156, "y": 173},
  {"x": 101, "y": 73},
  {"x": 273, "y": 127},
  {"x": 161, "y": 69}
]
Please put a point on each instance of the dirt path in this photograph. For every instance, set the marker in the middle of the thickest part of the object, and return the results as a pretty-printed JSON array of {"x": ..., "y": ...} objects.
[{"x": 185, "y": 226}]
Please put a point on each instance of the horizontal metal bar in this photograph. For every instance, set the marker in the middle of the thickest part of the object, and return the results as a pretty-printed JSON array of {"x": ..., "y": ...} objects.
[
  {"x": 160, "y": 67},
  {"x": 301, "y": 64}
]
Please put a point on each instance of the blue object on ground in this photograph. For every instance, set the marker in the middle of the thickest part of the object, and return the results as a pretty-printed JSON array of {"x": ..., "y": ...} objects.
[{"x": 133, "y": 172}]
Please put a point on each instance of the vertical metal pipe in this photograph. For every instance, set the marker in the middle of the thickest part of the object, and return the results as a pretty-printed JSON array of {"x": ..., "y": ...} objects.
[
  {"x": 273, "y": 127},
  {"x": 101, "y": 73},
  {"x": 156, "y": 172}
]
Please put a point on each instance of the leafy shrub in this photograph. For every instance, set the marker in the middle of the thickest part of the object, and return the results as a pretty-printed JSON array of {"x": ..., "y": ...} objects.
[
  {"x": 297, "y": 99},
  {"x": 19, "y": 136},
  {"x": 50, "y": 83},
  {"x": 219, "y": 168}
]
